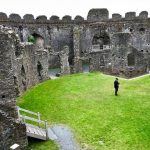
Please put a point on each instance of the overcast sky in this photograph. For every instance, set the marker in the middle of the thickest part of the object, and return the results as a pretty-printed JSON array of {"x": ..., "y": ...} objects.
[{"x": 71, "y": 7}]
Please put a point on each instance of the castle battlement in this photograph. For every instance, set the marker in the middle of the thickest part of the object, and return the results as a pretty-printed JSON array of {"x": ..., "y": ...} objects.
[{"x": 94, "y": 15}]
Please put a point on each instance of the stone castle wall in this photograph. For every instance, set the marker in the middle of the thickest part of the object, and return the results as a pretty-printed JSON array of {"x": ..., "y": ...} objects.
[
  {"x": 118, "y": 46},
  {"x": 11, "y": 130},
  {"x": 30, "y": 67},
  {"x": 22, "y": 65},
  {"x": 58, "y": 33}
]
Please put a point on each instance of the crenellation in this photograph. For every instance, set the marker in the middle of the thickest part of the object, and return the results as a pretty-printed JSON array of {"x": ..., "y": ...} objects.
[
  {"x": 54, "y": 18},
  {"x": 130, "y": 15},
  {"x": 98, "y": 15},
  {"x": 143, "y": 15},
  {"x": 27, "y": 18},
  {"x": 41, "y": 19},
  {"x": 79, "y": 19},
  {"x": 116, "y": 17},
  {"x": 94, "y": 15},
  {"x": 66, "y": 18},
  {"x": 3, "y": 16},
  {"x": 15, "y": 17}
]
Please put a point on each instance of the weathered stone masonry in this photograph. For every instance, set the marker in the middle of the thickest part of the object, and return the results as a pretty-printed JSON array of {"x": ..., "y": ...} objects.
[
  {"x": 106, "y": 44},
  {"x": 11, "y": 130},
  {"x": 22, "y": 65},
  {"x": 117, "y": 46}
]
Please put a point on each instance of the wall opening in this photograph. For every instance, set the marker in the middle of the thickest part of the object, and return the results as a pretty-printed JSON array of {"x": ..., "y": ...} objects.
[
  {"x": 23, "y": 78},
  {"x": 101, "y": 40},
  {"x": 85, "y": 66},
  {"x": 3, "y": 96},
  {"x": 36, "y": 39},
  {"x": 31, "y": 39},
  {"x": 21, "y": 33},
  {"x": 131, "y": 30},
  {"x": 131, "y": 59},
  {"x": 142, "y": 29},
  {"x": 54, "y": 70},
  {"x": 39, "y": 70}
]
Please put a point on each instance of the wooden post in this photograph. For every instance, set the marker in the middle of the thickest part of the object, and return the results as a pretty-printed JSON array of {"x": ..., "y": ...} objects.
[
  {"x": 38, "y": 119},
  {"x": 46, "y": 129},
  {"x": 24, "y": 120}
]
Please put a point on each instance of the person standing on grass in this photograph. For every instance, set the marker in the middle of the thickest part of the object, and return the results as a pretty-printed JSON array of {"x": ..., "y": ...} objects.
[{"x": 116, "y": 86}]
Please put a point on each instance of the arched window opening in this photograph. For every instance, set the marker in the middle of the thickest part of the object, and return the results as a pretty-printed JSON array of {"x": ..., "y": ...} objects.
[
  {"x": 39, "y": 40},
  {"x": 36, "y": 39}
]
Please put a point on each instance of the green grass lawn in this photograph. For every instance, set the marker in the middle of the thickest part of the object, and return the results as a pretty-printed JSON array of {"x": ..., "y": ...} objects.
[{"x": 98, "y": 119}]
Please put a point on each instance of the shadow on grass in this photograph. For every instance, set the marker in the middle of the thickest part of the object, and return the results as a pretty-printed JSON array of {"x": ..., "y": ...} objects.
[{"x": 37, "y": 144}]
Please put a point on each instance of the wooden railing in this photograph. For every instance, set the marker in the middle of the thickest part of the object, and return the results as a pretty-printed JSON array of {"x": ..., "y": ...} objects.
[{"x": 24, "y": 118}]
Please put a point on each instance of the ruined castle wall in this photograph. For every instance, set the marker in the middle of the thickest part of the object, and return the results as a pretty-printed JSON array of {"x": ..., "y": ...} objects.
[
  {"x": 129, "y": 40},
  {"x": 57, "y": 33},
  {"x": 11, "y": 131},
  {"x": 31, "y": 67},
  {"x": 118, "y": 46},
  {"x": 61, "y": 36}
]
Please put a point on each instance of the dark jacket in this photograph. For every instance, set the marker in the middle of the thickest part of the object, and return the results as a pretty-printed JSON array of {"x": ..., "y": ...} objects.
[{"x": 116, "y": 84}]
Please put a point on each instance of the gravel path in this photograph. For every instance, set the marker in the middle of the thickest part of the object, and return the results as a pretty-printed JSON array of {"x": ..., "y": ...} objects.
[{"x": 63, "y": 137}]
